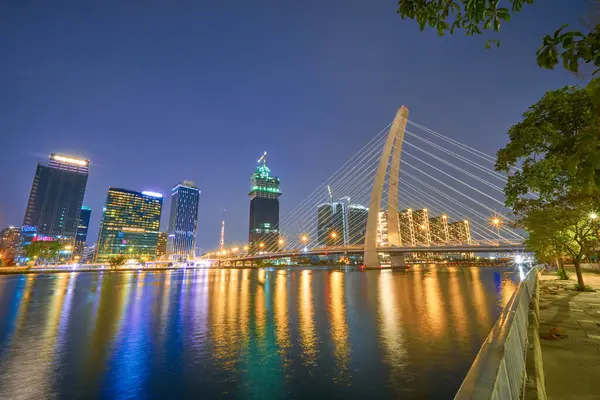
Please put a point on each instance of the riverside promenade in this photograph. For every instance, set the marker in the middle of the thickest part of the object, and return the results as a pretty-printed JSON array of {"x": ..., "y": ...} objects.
[{"x": 570, "y": 338}]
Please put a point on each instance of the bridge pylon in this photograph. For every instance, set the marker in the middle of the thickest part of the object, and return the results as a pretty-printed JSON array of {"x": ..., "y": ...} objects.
[{"x": 393, "y": 149}]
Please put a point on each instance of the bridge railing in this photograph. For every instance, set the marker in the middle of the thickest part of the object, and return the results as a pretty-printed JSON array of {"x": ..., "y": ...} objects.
[{"x": 498, "y": 371}]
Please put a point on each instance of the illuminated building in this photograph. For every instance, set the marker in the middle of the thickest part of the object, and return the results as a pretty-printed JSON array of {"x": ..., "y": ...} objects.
[
  {"x": 330, "y": 224},
  {"x": 183, "y": 221},
  {"x": 161, "y": 246},
  {"x": 10, "y": 238},
  {"x": 382, "y": 229},
  {"x": 357, "y": 224},
  {"x": 130, "y": 225},
  {"x": 421, "y": 227},
  {"x": 56, "y": 197},
  {"x": 460, "y": 232},
  {"x": 82, "y": 230},
  {"x": 407, "y": 227},
  {"x": 438, "y": 227},
  {"x": 264, "y": 208}
]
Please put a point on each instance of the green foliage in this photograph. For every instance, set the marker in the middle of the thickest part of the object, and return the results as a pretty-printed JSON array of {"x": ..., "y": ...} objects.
[
  {"x": 583, "y": 288},
  {"x": 42, "y": 250},
  {"x": 116, "y": 261},
  {"x": 557, "y": 145},
  {"x": 562, "y": 274},
  {"x": 476, "y": 17}
]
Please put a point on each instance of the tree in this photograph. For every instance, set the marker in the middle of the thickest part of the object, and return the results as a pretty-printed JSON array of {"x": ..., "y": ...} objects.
[
  {"x": 116, "y": 261},
  {"x": 567, "y": 225},
  {"x": 42, "y": 250},
  {"x": 557, "y": 146},
  {"x": 554, "y": 185},
  {"x": 478, "y": 16}
]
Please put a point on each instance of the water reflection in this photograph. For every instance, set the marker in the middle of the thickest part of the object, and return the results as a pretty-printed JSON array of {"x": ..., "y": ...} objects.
[{"x": 285, "y": 333}]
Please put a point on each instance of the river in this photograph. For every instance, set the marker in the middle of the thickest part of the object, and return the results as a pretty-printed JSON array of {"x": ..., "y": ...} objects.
[{"x": 246, "y": 334}]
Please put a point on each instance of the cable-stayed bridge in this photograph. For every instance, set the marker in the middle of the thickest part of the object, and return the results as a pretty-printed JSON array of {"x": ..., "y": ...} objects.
[{"x": 408, "y": 190}]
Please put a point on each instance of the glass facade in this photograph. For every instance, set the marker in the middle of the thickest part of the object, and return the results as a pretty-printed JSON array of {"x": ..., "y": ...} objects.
[
  {"x": 130, "y": 225},
  {"x": 331, "y": 225},
  {"x": 56, "y": 197},
  {"x": 82, "y": 230},
  {"x": 183, "y": 221},
  {"x": 264, "y": 209},
  {"x": 161, "y": 246},
  {"x": 357, "y": 224}
]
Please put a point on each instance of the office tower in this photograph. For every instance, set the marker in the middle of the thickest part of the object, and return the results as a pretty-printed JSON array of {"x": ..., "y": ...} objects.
[
  {"x": 460, "y": 232},
  {"x": 382, "y": 229},
  {"x": 56, "y": 197},
  {"x": 357, "y": 224},
  {"x": 407, "y": 231},
  {"x": 10, "y": 238},
  {"x": 330, "y": 224},
  {"x": 82, "y": 231},
  {"x": 161, "y": 246},
  {"x": 438, "y": 227},
  {"x": 129, "y": 226},
  {"x": 183, "y": 221},
  {"x": 421, "y": 227},
  {"x": 264, "y": 209}
]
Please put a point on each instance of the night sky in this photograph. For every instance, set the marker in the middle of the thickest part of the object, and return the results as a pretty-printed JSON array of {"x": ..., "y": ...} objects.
[{"x": 158, "y": 92}]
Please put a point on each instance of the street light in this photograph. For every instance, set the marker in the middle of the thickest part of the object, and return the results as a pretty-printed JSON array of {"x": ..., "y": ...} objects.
[
  {"x": 497, "y": 222},
  {"x": 333, "y": 235},
  {"x": 593, "y": 216},
  {"x": 261, "y": 245},
  {"x": 280, "y": 241},
  {"x": 304, "y": 238},
  {"x": 245, "y": 248}
]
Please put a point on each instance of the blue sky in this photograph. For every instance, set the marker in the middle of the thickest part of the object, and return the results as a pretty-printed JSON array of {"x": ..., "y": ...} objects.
[{"x": 168, "y": 91}]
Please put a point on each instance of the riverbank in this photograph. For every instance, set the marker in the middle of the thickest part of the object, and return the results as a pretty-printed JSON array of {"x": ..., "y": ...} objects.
[{"x": 569, "y": 328}]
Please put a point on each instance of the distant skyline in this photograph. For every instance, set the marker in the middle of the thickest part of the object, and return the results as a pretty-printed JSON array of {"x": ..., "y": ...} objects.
[{"x": 164, "y": 92}]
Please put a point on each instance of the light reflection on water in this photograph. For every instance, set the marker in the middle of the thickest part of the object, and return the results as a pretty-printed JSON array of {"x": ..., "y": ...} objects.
[{"x": 286, "y": 333}]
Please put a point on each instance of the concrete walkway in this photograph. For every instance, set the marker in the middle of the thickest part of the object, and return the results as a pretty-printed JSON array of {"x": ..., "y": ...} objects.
[{"x": 570, "y": 331}]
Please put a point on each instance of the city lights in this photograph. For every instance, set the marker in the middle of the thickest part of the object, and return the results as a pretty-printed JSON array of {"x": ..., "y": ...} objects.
[{"x": 70, "y": 160}]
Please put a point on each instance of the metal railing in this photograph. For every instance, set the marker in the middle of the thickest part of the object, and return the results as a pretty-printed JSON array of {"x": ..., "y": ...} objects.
[{"x": 498, "y": 371}]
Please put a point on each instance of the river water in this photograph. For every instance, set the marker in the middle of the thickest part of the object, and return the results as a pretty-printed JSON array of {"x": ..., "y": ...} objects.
[{"x": 246, "y": 334}]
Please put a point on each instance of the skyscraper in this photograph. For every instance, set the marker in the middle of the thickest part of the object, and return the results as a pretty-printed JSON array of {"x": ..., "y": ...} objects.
[
  {"x": 460, "y": 232},
  {"x": 407, "y": 228},
  {"x": 56, "y": 197},
  {"x": 183, "y": 221},
  {"x": 161, "y": 246},
  {"x": 264, "y": 208},
  {"x": 357, "y": 224},
  {"x": 130, "y": 225},
  {"x": 421, "y": 227},
  {"x": 439, "y": 229},
  {"x": 82, "y": 230},
  {"x": 331, "y": 225}
]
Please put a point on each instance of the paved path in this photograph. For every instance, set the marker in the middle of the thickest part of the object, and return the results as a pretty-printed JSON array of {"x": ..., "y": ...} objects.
[{"x": 571, "y": 364}]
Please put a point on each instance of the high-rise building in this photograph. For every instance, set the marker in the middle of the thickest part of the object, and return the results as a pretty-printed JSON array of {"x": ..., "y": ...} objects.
[
  {"x": 439, "y": 229},
  {"x": 82, "y": 231},
  {"x": 407, "y": 228},
  {"x": 421, "y": 227},
  {"x": 264, "y": 208},
  {"x": 357, "y": 224},
  {"x": 183, "y": 221},
  {"x": 10, "y": 239},
  {"x": 130, "y": 225},
  {"x": 161, "y": 246},
  {"x": 460, "y": 232},
  {"x": 56, "y": 197},
  {"x": 330, "y": 224},
  {"x": 382, "y": 229}
]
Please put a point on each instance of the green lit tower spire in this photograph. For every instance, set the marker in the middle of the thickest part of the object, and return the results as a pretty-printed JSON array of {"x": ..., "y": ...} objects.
[{"x": 264, "y": 208}]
